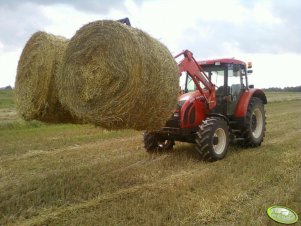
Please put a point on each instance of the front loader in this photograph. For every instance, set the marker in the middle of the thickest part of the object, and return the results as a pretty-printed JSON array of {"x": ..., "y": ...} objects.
[{"x": 217, "y": 105}]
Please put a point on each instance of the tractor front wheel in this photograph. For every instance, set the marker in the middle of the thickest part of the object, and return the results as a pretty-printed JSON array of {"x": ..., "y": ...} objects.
[
  {"x": 153, "y": 142},
  {"x": 212, "y": 139}
]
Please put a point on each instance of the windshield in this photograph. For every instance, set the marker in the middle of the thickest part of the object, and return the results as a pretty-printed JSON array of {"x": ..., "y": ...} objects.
[
  {"x": 215, "y": 73},
  {"x": 187, "y": 84}
]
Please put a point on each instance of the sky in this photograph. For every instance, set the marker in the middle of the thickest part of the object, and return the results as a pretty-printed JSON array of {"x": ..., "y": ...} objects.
[{"x": 265, "y": 32}]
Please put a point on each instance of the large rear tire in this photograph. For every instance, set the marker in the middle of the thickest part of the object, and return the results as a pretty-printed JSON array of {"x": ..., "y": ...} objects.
[
  {"x": 253, "y": 130},
  {"x": 153, "y": 142},
  {"x": 212, "y": 139}
]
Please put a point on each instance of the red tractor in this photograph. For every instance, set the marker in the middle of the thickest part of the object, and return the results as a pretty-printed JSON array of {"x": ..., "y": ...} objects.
[{"x": 216, "y": 105}]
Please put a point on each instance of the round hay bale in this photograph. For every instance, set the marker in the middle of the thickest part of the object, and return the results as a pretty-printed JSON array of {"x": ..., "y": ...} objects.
[
  {"x": 36, "y": 91},
  {"x": 118, "y": 77}
]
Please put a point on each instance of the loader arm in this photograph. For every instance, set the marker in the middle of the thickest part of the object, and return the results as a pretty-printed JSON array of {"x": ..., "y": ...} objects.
[{"x": 194, "y": 70}]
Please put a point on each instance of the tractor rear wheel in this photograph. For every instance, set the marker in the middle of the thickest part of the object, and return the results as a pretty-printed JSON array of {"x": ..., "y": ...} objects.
[
  {"x": 253, "y": 130},
  {"x": 153, "y": 142},
  {"x": 212, "y": 139}
]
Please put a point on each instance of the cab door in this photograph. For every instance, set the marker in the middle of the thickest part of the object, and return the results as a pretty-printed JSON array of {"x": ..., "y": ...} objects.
[{"x": 236, "y": 86}]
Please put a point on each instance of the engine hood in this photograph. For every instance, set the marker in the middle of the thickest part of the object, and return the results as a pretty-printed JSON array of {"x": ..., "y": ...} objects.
[{"x": 189, "y": 96}]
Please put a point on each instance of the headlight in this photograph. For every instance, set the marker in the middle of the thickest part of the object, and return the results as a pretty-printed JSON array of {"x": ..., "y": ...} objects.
[
  {"x": 181, "y": 103},
  {"x": 176, "y": 114}
]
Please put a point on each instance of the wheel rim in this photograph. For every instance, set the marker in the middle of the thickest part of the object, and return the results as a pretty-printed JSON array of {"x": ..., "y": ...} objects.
[
  {"x": 163, "y": 144},
  {"x": 257, "y": 123},
  {"x": 222, "y": 140}
]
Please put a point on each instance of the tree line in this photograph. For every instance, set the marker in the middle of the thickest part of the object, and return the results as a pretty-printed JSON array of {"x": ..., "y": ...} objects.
[{"x": 285, "y": 89}]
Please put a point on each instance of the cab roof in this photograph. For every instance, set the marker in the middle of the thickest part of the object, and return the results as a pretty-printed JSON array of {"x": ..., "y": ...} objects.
[{"x": 222, "y": 61}]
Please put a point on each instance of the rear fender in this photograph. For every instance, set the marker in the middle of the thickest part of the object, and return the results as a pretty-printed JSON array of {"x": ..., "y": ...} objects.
[{"x": 243, "y": 103}]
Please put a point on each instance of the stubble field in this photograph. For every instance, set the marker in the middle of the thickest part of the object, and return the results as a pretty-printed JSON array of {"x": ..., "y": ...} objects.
[{"x": 81, "y": 175}]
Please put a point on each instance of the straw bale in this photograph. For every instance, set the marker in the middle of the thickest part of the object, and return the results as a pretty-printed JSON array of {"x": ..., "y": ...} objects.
[
  {"x": 36, "y": 91},
  {"x": 118, "y": 77}
]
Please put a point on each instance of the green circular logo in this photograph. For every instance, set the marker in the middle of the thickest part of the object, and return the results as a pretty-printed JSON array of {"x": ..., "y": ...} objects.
[{"x": 282, "y": 215}]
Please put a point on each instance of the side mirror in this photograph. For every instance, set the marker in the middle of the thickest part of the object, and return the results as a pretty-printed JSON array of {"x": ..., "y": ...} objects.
[
  {"x": 249, "y": 71},
  {"x": 251, "y": 86}
]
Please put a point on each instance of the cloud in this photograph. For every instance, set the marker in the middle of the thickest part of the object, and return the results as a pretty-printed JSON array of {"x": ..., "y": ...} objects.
[
  {"x": 215, "y": 36},
  {"x": 261, "y": 28},
  {"x": 210, "y": 29},
  {"x": 19, "y": 19},
  {"x": 100, "y": 6},
  {"x": 289, "y": 11},
  {"x": 71, "y": 17},
  {"x": 18, "y": 23},
  {"x": 252, "y": 26},
  {"x": 8, "y": 65}
]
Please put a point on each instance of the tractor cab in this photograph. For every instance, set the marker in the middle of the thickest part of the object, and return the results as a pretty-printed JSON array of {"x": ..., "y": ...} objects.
[{"x": 230, "y": 79}]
